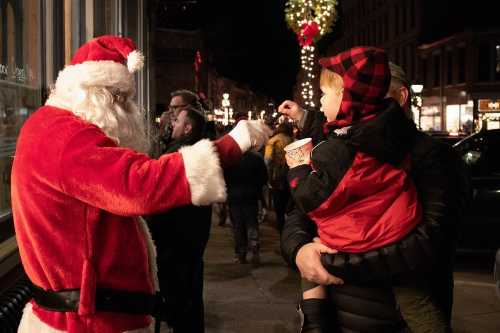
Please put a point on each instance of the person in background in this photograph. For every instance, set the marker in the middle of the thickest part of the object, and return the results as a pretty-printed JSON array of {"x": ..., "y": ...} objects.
[
  {"x": 80, "y": 182},
  {"x": 443, "y": 189},
  {"x": 244, "y": 189},
  {"x": 274, "y": 156},
  {"x": 180, "y": 248}
]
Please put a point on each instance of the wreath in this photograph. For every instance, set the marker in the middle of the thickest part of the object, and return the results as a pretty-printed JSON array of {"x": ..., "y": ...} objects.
[{"x": 310, "y": 19}]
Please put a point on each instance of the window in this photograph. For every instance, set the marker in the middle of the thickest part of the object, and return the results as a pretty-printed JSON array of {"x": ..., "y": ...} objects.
[
  {"x": 484, "y": 61},
  {"x": 430, "y": 120},
  {"x": 423, "y": 71},
  {"x": 449, "y": 67},
  {"x": 20, "y": 87},
  {"x": 497, "y": 67},
  {"x": 461, "y": 65},
  {"x": 480, "y": 154},
  {"x": 437, "y": 71}
]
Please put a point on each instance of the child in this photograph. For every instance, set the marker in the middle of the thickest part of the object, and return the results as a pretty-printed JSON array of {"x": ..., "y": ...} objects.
[{"x": 355, "y": 187}]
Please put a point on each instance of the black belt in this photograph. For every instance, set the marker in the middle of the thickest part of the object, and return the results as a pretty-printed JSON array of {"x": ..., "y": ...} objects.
[{"x": 109, "y": 300}]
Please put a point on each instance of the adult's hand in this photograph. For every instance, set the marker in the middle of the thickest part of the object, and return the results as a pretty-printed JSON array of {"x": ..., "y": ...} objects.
[
  {"x": 291, "y": 109},
  {"x": 308, "y": 261}
]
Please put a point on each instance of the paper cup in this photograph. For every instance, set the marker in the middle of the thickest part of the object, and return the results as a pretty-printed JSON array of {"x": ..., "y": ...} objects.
[{"x": 299, "y": 150}]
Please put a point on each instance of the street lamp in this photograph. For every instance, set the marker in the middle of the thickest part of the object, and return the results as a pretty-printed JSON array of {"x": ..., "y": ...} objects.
[
  {"x": 227, "y": 110},
  {"x": 417, "y": 102}
]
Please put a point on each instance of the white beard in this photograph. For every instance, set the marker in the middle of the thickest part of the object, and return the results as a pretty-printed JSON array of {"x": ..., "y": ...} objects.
[{"x": 121, "y": 121}]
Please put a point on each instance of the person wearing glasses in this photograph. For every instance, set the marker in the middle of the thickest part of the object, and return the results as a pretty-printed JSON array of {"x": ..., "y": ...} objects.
[
  {"x": 178, "y": 99},
  {"x": 181, "y": 247}
]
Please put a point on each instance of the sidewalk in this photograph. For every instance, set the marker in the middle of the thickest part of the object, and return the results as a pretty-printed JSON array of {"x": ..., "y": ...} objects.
[{"x": 244, "y": 299}]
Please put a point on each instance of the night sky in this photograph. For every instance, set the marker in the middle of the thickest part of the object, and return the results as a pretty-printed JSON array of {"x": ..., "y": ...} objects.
[{"x": 250, "y": 42}]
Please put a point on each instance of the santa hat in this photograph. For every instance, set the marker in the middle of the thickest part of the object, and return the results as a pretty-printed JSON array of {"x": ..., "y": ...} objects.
[{"x": 108, "y": 61}]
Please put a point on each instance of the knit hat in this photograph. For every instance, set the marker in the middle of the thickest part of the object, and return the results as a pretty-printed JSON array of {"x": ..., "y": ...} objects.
[
  {"x": 108, "y": 61},
  {"x": 366, "y": 75}
]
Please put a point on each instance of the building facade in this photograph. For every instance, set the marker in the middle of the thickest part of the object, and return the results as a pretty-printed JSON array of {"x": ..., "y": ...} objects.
[{"x": 441, "y": 46}]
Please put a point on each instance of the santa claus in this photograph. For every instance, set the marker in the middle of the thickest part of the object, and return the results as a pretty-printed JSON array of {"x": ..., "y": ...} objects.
[{"x": 80, "y": 183}]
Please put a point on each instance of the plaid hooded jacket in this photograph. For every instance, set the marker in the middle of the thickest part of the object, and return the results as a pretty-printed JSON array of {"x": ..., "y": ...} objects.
[{"x": 356, "y": 189}]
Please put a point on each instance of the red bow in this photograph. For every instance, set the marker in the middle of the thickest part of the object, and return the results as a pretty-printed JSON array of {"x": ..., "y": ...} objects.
[{"x": 307, "y": 33}]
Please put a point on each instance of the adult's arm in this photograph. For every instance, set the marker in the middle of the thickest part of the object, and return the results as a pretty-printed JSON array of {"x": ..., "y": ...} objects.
[
  {"x": 310, "y": 122},
  {"x": 124, "y": 182}
]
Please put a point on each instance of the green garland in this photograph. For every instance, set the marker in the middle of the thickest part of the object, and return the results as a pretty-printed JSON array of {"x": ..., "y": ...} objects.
[{"x": 323, "y": 12}]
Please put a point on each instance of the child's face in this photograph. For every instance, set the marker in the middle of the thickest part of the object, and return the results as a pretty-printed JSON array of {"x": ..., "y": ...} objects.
[{"x": 332, "y": 96}]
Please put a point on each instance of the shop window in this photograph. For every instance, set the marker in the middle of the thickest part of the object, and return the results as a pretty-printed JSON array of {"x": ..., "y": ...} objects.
[
  {"x": 20, "y": 87},
  {"x": 466, "y": 117},
  {"x": 430, "y": 120},
  {"x": 453, "y": 118}
]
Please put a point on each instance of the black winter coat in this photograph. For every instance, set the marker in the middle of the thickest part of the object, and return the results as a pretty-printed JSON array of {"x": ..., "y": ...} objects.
[
  {"x": 366, "y": 303},
  {"x": 245, "y": 180}
]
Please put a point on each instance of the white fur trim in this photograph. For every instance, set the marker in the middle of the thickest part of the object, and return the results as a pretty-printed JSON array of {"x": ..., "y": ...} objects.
[
  {"x": 30, "y": 323},
  {"x": 204, "y": 173},
  {"x": 135, "y": 61},
  {"x": 153, "y": 267},
  {"x": 95, "y": 73}
]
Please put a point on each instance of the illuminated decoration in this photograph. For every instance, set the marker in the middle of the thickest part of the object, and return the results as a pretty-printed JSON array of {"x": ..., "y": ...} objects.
[
  {"x": 227, "y": 110},
  {"x": 310, "y": 20},
  {"x": 197, "y": 74},
  {"x": 488, "y": 105},
  {"x": 417, "y": 103}
]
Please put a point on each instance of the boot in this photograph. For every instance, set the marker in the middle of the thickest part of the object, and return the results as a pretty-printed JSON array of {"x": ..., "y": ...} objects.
[{"x": 315, "y": 317}]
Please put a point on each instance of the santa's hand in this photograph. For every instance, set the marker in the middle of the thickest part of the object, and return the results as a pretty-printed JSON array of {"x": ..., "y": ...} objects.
[
  {"x": 250, "y": 134},
  {"x": 291, "y": 109}
]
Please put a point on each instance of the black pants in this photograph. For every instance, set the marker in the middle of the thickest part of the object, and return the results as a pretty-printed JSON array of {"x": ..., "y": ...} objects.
[
  {"x": 181, "y": 237},
  {"x": 245, "y": 227},
  {"x": 280, "y": 202},
  {"x": 181, "y": 283}
]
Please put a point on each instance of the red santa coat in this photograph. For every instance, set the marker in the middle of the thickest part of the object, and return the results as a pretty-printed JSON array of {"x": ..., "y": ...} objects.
[{"x": 76, "y": 198}]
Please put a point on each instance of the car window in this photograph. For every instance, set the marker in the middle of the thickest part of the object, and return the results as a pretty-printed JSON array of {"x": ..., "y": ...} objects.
[
  {"x": 473, "y": 153},
  {"x": 493, "y": 153}
]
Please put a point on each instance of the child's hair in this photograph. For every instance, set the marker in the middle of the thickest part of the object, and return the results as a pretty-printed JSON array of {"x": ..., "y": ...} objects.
[{"x": 330, "y": 79}]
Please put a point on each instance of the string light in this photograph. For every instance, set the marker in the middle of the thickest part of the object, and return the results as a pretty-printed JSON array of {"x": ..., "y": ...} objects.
[{"x": 303, "y": 17}]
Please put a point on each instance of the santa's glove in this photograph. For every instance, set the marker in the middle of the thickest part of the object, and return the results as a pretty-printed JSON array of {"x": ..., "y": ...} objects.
[{"x": 250, "y": 134}]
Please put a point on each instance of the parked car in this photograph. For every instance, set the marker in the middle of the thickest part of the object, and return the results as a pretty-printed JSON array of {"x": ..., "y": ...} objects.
[{"x": 481, "y": 228}]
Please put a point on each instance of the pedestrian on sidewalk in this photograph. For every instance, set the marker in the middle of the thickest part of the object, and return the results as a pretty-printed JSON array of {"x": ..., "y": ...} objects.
[
  {"x": 179, "y": 246},
  {"x": 244, "y": 189},
  {"x": 274, "y": 156}
]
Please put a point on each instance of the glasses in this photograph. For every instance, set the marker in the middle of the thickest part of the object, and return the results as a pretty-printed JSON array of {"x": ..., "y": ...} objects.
[{"x": 176, "y": 107}]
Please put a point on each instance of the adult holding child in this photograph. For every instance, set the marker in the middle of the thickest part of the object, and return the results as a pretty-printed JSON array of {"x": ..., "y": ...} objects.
[{"x": 378, "y": 129}]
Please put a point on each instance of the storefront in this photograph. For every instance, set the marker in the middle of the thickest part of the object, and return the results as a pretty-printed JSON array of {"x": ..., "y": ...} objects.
[
  {"x": 489, "y": 113},
  {"x": 37, "y": 37}
]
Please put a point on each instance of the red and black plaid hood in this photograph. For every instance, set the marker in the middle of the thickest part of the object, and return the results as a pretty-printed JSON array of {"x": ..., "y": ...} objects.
[{"x": 366, "y": 75}]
